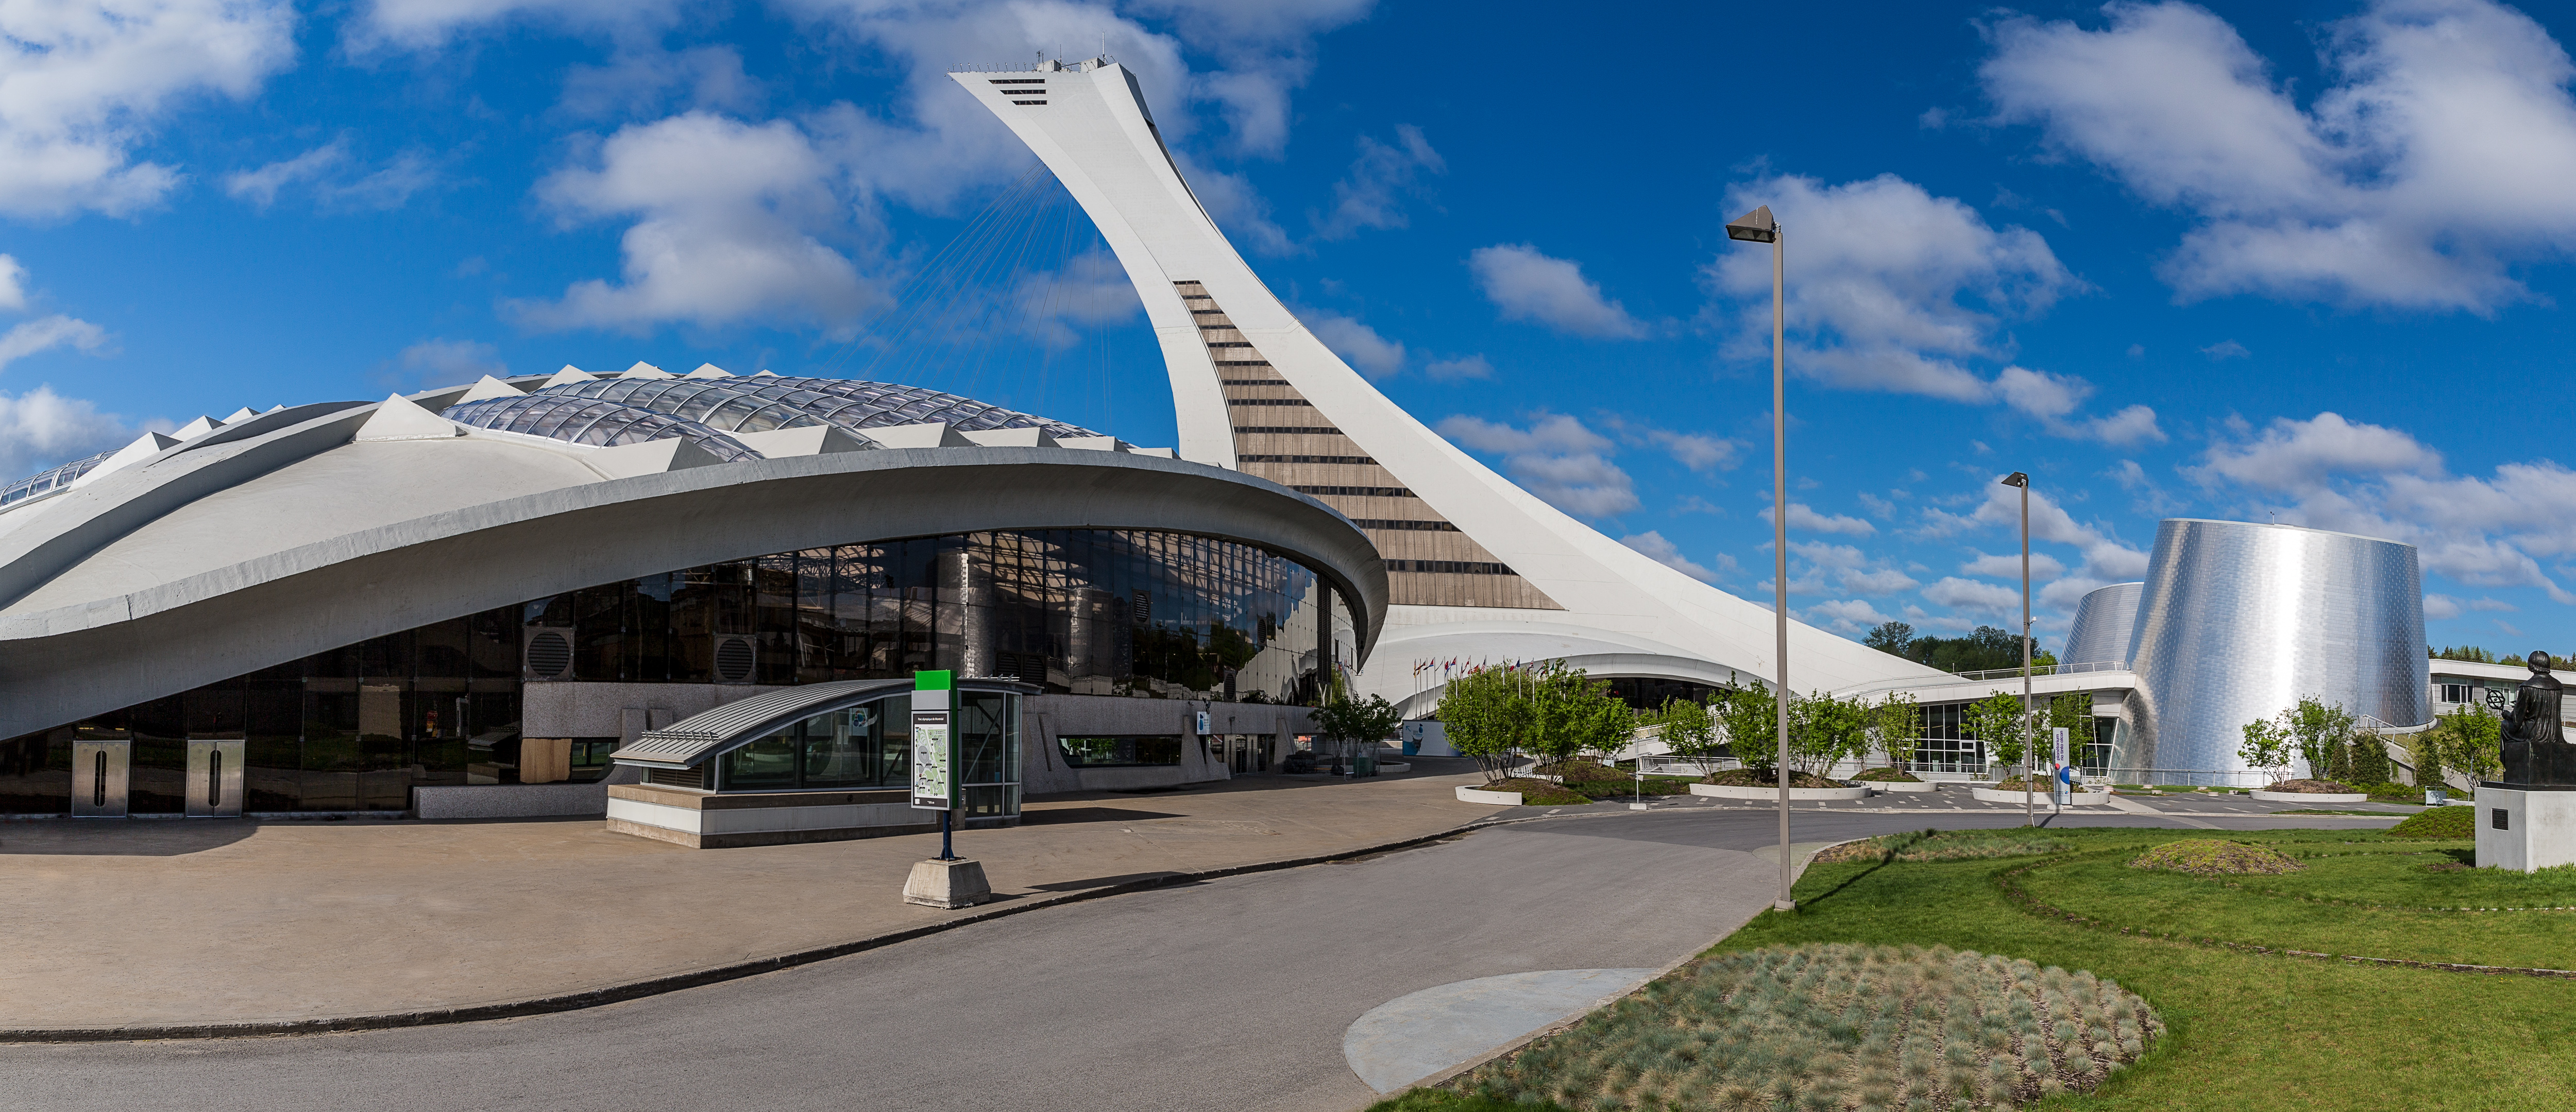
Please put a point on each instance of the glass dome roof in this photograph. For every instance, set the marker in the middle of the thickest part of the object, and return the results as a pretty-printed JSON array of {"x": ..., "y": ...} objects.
[
  {"x": 50, "y": 479},
  {"x": 580, "y": 420}
]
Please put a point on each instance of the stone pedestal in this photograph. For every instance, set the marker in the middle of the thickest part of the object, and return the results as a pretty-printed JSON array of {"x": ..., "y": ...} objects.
[
  {"x": 2522, "y": 828},
  {"x": 947, "y": 884}
]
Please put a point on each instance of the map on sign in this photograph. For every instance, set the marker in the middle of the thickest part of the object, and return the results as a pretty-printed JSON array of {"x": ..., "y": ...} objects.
[{"x": 931, "y": 776}]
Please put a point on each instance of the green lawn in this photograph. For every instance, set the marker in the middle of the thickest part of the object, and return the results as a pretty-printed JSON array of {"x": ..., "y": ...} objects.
[{"x": 2245, "y": 1031}]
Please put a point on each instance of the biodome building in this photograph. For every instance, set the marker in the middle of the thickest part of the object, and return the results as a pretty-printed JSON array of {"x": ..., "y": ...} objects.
[{"x": 461, "y": 602}]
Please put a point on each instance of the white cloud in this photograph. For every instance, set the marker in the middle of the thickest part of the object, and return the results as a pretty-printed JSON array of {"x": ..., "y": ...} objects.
[
  {"x": 728, "y": 214},
  {"x": 1804, "y": 518},
  {"x": 444, "y": 362},
  {"x": 2434, "y": 159},
  {"x": 1465, "y": 366},
  {"x": 1371, "y": 195},
  {"x": 2226, "y": 349},
  {"x": 1555, "y": 458},
  {"x": 1974, "y": 596},
  {"x": 45, "y": 333},
  {"x": 2043, "y": 567},
  {"x": 2494, "y": 604},
  {"x": 1846, "y": 616},
  {"x": 1527, "y": 285},
  {"x": 639, "y": 80},
  {"x": 1090, "y": 290},
  {"x": 39, "y": 429},
  {"x": 13, "y": 284},
  {"x": 82, "y": 83},
  {"x": 338, "y": 180},
  {"x": 1849, "y": 566},
  {"x": 1695, "y": 451},
  {"x": 2299, "y": 455},
  {"x": 1894, "y": 287},
  {"x": 428, "y": 24},
  {"x": 1238, "y": 208},
  {"x": 2145, "y": 496},
  {"x": 2105, "y": 557},
  {"x": 2052, "y": 398},
  {"x": 1374, "y": 355},
  {"x": 1668, "y": 554},
  {"x": 2437, "y": 607}
]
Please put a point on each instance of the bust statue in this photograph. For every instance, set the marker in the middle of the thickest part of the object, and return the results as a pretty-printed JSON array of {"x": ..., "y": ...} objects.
[{"x": 2534, "y": 743}]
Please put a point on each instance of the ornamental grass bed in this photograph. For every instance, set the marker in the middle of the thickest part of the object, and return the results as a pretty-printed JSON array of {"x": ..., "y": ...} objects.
[
  {"x": 1769, "y": 778},
  {"x": 2213, "y": 857},
  {"x": 1945, "y": 845},
  {"x": 1835, "y": 1026},
  {"x": 2313, "y": 787}
]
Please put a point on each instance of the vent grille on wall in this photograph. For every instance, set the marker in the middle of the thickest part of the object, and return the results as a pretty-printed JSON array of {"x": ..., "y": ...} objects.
[
  {"x": 547, "y": 654},
  {"x": 677, "y": 777},
  {"x": 736, "y": 659}
]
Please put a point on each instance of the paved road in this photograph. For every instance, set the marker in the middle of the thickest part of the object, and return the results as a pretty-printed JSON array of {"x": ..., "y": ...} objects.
[{"x": 1231, "y": 995}]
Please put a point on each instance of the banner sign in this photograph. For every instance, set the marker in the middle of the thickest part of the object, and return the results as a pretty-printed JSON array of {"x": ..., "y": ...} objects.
[
  {"x": 934, "y": 742},
  {"x": 2064, "y": 785}
]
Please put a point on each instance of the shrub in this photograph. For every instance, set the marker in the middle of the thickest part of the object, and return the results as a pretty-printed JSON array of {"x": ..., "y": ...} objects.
[
  {"x": 1768, "y": 778},
  {"x": 1888, "y": 776},
  {"x": 2439, "y": 822},
  {"x": 1538, "y": 793},
  {"x": 2212, "y": 857},
  {"x": 1829, "y": 1026}
]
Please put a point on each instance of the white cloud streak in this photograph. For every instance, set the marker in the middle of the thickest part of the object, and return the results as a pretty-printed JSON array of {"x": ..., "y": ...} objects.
[
  {"x": 1528, "y": 285},
  {"x": 1665, "y": 552},
  {"x": 2434, "y": 159},
  {"x": 1555, "y": 458}
]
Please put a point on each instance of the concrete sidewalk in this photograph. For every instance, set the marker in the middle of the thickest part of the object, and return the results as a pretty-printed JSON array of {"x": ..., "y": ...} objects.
[{"x": 129, "y": 924}]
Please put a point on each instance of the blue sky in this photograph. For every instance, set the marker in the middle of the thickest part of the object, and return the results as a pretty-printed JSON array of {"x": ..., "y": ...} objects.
[{"x": 2287, "y": 261}]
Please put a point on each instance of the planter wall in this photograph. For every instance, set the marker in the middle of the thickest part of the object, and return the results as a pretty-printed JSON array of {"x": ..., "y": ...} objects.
[
  {"x": 1478, "y": 795},
  {"x": 1730, "y": 791},
  {"x": 1990, "y": 795},
  {"x": 2311, "y": 797},
  {"x": 1901, "y": 786}
]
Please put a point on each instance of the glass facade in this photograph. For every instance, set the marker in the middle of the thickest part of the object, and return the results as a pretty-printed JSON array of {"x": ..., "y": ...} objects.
[
  {"x": 1096, "y": 612},
  {"x": 1121, "y": 751}
]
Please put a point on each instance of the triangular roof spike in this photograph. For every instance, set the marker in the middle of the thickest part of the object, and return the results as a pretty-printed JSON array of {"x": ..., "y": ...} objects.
[
  {"x": 199, "y": 427},
  {"x": 400, "y": 418},
  {"x": 764, "y": 373},
  {"x": 274, "y": 408},
  {"x": 642, "y": 369},
  {"x": 489, "y": 387},
  {"x": 240, "y": 415},
  {"x": 144, "y": 447},
  {"x": 650, "y": 457},
  {"x": 570, "y": 373},
  {"x": 804, "y": 440},
  {"x": 708, "y": 370}
]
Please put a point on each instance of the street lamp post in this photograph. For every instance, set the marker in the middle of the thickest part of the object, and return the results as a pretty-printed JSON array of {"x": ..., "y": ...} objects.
[
  {"x": 1757, "y": 226},
  {"x": 2029, "y": 809}
]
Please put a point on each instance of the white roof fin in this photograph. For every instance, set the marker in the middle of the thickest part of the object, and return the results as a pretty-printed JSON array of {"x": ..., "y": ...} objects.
[
  {"x": 935, "y": 434},
  {"x": 570, "y": 373},
  {"x": 199, "y": 427},
  {"x": 489, "y": 387},
  {"x": 764, "y": 373},
  {"x": 651, "y": 457},
  {"x": 806, "y": 440},
  {"x": 708, "y": 370},
  {"x": 642, "y": 369},
  {"x": 240, "y": 415},
  {"x": 400, "y": 418},
  {"x": 145, "y": 447}
]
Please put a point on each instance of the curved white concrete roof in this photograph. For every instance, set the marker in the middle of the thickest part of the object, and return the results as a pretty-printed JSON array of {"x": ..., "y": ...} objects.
[{"x": 302, "y": 531}]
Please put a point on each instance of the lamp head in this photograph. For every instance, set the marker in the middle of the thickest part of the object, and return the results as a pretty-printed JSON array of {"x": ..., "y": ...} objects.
[
  {"x": 2017, "y": 479},
  {"x": 1754, "y": 227}
]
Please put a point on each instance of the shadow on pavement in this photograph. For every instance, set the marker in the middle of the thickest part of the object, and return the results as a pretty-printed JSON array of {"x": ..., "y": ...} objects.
[
  {"x": 1050, "y": 815},
  {"x": 122, "y": 837}
]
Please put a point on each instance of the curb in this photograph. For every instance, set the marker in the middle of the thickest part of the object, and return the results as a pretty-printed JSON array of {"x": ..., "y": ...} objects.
[{"x": 637, "y": 990}]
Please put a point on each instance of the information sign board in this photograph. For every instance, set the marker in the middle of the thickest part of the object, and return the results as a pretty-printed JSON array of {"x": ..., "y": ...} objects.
[{"x": 934, "y": 742}]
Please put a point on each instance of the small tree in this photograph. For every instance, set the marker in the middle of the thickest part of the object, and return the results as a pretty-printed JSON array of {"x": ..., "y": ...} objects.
[
  {"x": 2320, "y": 730},
  {"x": 2267, "y": 745},
  {"x": 1346, "y": 722},
  {"x": 1690, "y": 731},
  {"x": 1752, "y": 727},
  {"x": 1997, "y": 721},
  {"x": 1823, "y": 730},
  {"x": 1486, "y": 717},
  {"x": 1561, "y": 713},
  {"x": 2468, "y": 740},
  {"x": 1896, "y": 724}
]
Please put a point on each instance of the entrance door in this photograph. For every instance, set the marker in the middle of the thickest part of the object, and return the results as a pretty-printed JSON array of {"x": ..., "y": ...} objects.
[
  {"x": 98, "y": 777},
  {"x": 214, "y": 783}
]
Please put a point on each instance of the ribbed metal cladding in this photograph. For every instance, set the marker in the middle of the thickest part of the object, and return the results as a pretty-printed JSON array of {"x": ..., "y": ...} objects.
[
  {"x": 2237, "y": 621},
  {"x": 2104, "y": 623}
]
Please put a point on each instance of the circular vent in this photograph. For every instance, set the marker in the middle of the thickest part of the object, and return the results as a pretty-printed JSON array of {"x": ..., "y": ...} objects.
[
  {"x": 733, "y": 659},
  {"x": 549, "y": 655}
]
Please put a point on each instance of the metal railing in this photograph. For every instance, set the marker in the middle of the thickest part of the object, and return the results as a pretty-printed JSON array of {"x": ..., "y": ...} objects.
[{"x": 2037, "y": 670}]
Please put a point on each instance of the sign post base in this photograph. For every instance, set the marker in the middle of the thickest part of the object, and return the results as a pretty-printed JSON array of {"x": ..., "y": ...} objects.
[{"x": 947, "y": 884}]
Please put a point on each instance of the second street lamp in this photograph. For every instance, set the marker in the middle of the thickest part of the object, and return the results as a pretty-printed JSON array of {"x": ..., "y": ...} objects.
[
  {"x": 1757, "y": 226},
  {"x": 2029, "y": 809}
]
